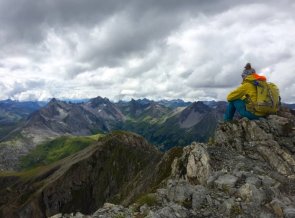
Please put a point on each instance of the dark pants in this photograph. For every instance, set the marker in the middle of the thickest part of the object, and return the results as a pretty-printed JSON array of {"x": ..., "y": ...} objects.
[{"x": 240, "y": 106}]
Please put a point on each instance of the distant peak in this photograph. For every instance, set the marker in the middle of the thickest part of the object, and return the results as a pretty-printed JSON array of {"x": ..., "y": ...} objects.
[
  {"x": 98, "y": 98},
  {"x": 56, "y": 103},
  {"x": 200, "y": 106},
  {"x": 98, "y": 101},
  {"x": 53, "y": 100}
]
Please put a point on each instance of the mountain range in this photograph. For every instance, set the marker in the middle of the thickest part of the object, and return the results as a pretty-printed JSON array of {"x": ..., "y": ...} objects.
[
  {"x": 12, "y": 113},
  {"x": 164, "y": 123}
]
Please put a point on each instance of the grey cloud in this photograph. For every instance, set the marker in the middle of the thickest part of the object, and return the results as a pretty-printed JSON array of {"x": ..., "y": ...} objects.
[
  {"x": 128, "y": 37},
  {"x": 76, "y": 69},
  {"x": 144, "y": 25},
  {"x": 19, "y": 87},
  {"x": 29, "y": 17},
  {"x": 89, "y": 35},
  {"x": 186, "y": 74},
  {"x": 27, "y": 21}
]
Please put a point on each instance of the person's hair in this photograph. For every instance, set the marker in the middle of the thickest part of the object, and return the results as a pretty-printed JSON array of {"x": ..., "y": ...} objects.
[{"x": 248, "y": 66}]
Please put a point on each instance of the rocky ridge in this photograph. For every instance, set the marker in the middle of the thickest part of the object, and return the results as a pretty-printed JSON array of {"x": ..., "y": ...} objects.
[
  {"x": 247, "y": 170},
  {"x": 117, "y": 168}
]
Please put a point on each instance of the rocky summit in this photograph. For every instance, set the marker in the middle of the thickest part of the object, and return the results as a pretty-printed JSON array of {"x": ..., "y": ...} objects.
[{"x": 246, "y": 170}]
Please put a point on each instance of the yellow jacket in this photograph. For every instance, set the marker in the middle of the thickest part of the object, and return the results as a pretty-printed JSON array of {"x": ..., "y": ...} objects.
[{"x": 247, "y": 91}]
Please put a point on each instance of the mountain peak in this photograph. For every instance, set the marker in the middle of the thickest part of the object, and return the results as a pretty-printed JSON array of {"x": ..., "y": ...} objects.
[
  {"x": 53, "y": 100},
  {"x": 98, "y": 101},
  {"x": 200, "y": 107},
  {"x": 54, "y": 104},
  {"x": 194, "y": 114}
]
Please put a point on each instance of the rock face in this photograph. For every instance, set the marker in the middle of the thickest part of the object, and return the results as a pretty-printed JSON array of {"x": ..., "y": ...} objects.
[
  {"x": 194, "y": 165},
  {"x": 271, "y": 140},
  {"x": 246, "y": 171}
]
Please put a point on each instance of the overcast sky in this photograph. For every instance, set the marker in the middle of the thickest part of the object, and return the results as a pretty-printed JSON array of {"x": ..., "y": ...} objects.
[{"x": 158, "y": 49}]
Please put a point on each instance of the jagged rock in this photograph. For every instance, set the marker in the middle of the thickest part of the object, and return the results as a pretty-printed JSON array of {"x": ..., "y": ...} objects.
[
  {"x": 180, "y": 191},
  {"x": 195, "y": 163},
  {"x": 279, "y": 159},
  {"x": 289, "y": 212},
  {"x": 277, "y": 207},
  {"x": 113, "y": 211},
  {"x": 170, "y": 211},
  {"x": 198, "y": 168},
  {"x": 264, "y": 137},
  {"x": 80, "y": 215},
  {"x": 227, "y": 206},
  {"x": 59, "y": 215},
  {"x": 254, "y": 181},
  {"x": 226, "y": 181},
  {"x": 267, "y": 181},
  {"x": 250, "y": 193},
  {"x": 108, "y": 205},
  {"x": 199, "y": 197},
  {"x": 162, "y": 195},
  {"x": 213, "y": 177},
  {"x": 72, "y": 215},
  {"x": 266, "y": 215},
  {"x": 280, "y": 126},
  {"x": 144, "y": 209}
]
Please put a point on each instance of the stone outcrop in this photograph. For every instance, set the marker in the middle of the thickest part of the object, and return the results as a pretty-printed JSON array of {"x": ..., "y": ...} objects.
[
  {"x": 193, "y": 165},
  {"x": 269, "y": 139},
  {"x": 246, "y": 171}
]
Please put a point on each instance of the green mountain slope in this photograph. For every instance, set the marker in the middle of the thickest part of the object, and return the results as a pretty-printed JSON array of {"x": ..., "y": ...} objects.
[{"x": 56, "y": 149}]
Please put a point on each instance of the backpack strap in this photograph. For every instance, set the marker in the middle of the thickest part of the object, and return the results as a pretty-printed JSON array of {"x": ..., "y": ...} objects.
[
  {"x": 270, "y": 95},
  {"x": 256, "y": 83}
]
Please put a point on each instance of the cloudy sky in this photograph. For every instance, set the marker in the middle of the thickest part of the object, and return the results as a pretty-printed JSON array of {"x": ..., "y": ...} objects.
[{"x": 158, "y": 49}]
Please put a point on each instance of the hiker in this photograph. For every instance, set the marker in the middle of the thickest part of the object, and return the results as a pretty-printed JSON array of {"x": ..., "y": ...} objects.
[
  {"x": 244, "y": 97},
  {"x": 248, "y": 71}
]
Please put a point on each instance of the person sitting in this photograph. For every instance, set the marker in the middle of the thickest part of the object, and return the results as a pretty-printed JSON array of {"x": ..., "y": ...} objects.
[
  {"x": 242, "y": 99},
  {"x": 248, "y": 71}
]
